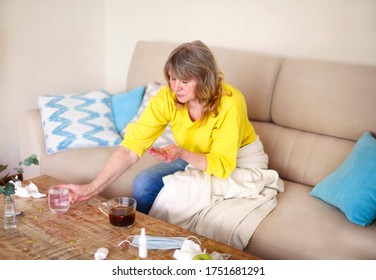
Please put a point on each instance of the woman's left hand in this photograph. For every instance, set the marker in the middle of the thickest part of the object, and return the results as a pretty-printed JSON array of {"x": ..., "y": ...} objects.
[{"x": 168, "y": 153}]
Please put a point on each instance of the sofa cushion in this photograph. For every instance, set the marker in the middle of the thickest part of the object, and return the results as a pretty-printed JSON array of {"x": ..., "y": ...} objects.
[
  {"x": 125, "y": 106},
  {"x": 304, "y": 227},
  {"x": 77, "y": 120},
  {"x": 298, "y": 155},
  {"x": 326, "y": 98},
  {"x": 152, "y": 89},
  {"x": 351, "y": 188}
]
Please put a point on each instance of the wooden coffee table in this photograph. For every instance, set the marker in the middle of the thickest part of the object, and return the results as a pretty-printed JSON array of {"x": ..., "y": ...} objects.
[{"x": 78, "y": 233}]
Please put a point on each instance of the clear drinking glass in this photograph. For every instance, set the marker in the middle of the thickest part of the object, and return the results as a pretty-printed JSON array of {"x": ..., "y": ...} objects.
[{"x": 58, "y": 199}]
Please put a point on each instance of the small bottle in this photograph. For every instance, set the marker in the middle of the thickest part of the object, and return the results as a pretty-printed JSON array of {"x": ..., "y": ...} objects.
[{"x": 142, "y": 249}]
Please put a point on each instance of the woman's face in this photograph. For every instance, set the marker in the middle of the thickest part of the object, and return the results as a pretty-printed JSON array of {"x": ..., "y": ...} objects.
[{"x": 185, "y": 90}]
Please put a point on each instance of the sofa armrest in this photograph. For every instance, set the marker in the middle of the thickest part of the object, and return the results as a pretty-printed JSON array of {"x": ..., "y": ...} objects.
[{"x": 30, "y": 139}]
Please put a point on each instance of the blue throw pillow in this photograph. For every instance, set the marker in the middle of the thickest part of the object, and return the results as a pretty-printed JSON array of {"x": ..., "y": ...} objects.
[
  {"x": 352, "y": 187},
  {"x": 125, "y": 106}
]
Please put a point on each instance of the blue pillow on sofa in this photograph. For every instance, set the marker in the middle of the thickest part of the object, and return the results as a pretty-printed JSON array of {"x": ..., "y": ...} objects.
[
  {"x": 125, "y": 106},
  {"x": 352, "y": 187}
]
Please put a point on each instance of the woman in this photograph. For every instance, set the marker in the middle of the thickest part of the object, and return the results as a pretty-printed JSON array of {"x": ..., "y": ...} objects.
[{"x": 208, "y": 119}]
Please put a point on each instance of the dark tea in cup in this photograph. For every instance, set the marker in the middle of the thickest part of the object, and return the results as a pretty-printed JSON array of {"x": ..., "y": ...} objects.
[
  {"x": 121, "y": 211},
  {"x": 122, "y": 216}
]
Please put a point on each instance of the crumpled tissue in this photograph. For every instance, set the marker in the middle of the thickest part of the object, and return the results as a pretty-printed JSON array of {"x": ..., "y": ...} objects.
[
  {"x": 188, "y": 250},
  {"x": 30, "y": 190}
]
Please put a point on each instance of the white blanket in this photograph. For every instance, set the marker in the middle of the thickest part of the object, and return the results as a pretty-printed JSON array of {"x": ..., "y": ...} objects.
[{"x": 226, "y": 210}]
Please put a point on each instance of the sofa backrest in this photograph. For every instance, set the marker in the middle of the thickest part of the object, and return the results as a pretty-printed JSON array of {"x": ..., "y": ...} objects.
[
  {"x": 254, "y": 74},
  {"x": 327, "y": 98},
  {"x": 319, "y": 109},
  {"x": 308, "y": 113},
  {"x": 147, "y": 63}
]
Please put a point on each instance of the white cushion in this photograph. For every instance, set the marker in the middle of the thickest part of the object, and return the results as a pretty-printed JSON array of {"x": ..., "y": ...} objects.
[{"x": 77, "y": 121}]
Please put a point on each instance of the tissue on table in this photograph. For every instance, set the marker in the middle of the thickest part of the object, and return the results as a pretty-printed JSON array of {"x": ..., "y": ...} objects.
[
  {"x": 188, "y": 250},
  {"x": 30, "y": 190}
]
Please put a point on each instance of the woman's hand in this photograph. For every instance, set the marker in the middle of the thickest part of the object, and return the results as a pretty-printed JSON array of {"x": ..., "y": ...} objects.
[
  {"x": 171, "y": 152},
  {"x": 167, "y": 154},
  {"x": 79, "y": 192}
]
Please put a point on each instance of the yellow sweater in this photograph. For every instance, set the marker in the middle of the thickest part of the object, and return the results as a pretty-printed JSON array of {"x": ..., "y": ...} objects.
[{"x": 219, "y": 138}]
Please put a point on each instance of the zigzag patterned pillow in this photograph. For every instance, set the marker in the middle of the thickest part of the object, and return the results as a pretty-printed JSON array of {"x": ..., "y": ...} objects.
[{"x": 78, "y": 121}]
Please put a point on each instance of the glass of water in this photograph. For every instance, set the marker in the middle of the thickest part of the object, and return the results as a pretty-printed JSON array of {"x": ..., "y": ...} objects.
[{"x": 58, "y": 199}]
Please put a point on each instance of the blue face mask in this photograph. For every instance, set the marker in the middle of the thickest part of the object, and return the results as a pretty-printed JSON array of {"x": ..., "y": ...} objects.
[{"x": 156, "y": 242}]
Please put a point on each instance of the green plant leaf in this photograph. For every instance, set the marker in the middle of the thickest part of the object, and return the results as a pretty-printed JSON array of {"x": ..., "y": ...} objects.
[
  {"x": 27, "y": 161},
  {"x": 8, "y": 189},
  {"x": 30, "y": 160},
  {"x": 19, "y": 170},
  {"x": 3, "y": 167}
]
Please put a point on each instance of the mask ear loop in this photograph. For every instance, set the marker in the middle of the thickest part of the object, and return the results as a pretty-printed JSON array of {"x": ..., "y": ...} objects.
[
  {"x": 195, "y": 238},
  {"x": 126, "y": 241}
]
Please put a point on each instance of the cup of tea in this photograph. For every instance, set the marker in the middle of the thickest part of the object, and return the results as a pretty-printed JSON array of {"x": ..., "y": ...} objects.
[
  {"x": 58, "y": 199},
  {"x": 121, "y": 211}
]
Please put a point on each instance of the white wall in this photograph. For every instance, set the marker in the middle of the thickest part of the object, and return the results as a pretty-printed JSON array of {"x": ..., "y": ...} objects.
[
  {"x": 46, "y": 47},
  {"x": 340, "y": 30},
  {"x": 63, "y": 46}
]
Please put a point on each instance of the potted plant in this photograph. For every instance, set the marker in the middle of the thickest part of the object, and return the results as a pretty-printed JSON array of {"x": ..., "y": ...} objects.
[{"x": 7, "y": 188}]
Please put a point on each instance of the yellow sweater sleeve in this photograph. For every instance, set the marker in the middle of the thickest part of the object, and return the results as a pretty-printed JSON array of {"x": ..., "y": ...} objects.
[{"x": 139, "y": 136}]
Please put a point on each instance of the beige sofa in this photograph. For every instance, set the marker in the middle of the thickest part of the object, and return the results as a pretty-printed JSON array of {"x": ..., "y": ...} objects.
[{"x": 308, "y": 115}]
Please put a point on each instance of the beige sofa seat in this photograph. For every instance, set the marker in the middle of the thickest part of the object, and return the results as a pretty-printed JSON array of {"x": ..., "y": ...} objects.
[{"x": 308, "y": 115}]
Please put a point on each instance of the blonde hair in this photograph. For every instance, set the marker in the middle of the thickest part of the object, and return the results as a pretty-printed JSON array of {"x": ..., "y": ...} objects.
[{"x": 196, "y": 61}]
